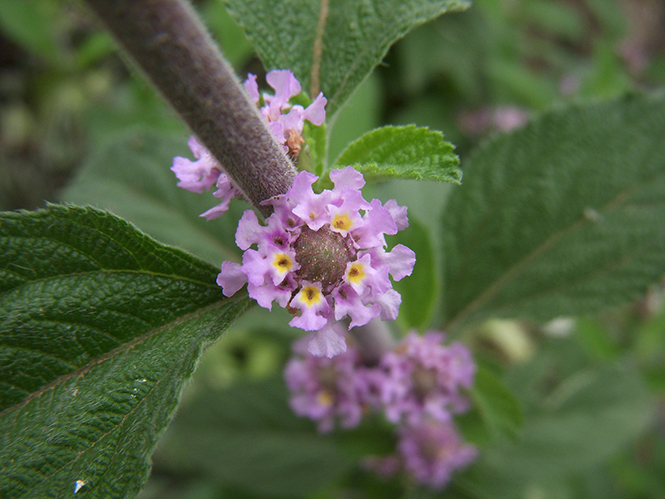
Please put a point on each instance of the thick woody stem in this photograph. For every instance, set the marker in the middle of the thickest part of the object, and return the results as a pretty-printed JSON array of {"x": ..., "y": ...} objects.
[{"x": 172, "y": 46}]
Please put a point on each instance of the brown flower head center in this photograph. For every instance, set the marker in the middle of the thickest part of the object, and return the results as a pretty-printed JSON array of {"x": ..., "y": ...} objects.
[
  {"x": 322, "y": 255},
  {"x": 424, "y": 381}
]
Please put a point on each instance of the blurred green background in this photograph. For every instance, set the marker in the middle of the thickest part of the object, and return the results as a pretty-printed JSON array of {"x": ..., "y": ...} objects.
[{"x": 66, "y": 92}]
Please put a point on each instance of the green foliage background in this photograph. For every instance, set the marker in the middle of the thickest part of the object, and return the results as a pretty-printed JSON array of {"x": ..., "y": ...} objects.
[{"x": 572, "y": 201}]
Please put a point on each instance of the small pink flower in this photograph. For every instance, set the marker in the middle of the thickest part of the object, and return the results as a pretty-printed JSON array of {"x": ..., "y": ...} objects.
[
  {"x": 201, "y": 175},
  {"x": 431, "y": 452},
  {"x": 286, "y": 121},
  {"x": 196, "y": 176},
  {"x": 327, "y": 390}
]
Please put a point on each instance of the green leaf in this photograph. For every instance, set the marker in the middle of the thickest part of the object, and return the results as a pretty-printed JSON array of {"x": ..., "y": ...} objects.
[
  {"x": 563, "y": 217},
  {"x": 32, "y": 25},
  {"x": 331, "y": 45},
  {"x": 131, "y": 177},
  {"x": 361, "y": 114},
  {"x": 419, "y": 290},
  {"x": 252, "y": 442},
  {"x": 587, "y": 420},
  {"x": 100, "y": 327},
  {"x": 405, "y": 152},
  {"x": 498, "y": 407}
]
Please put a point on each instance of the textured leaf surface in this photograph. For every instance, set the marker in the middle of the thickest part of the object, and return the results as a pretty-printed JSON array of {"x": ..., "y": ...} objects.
[
  {"x": 131, "y": 177},
  {"x": 403, "y": 152},
  {"x": 563, "y": 217},
  {"x": 253, "y": 442},
  {"x": 100, "y": 327},
  {"x": 331, "y": 45}
]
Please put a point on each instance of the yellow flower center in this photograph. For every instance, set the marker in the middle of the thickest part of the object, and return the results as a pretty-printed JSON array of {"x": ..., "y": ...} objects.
[
  {"x": 282, "y": 262},
  {"x": 342, "y": 222},
  {"x": 356, "y": 273},
  {"x": 310, "y": 295},
  {"x": 324, "y": 398}
]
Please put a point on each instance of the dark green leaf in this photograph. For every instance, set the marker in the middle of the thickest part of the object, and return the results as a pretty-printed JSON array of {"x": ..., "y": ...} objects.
[
  {"x": 331, "y": 45},
  {"x": 402, "y": 152},
  {"x": 131, "y": 177},
  {"x": 252, "y": 442},
  {"x": 100, "y": 327},
  {"x": 563, "y": 217}
]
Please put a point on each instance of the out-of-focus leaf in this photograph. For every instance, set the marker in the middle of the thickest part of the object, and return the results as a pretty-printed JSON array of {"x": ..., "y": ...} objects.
[
  {"x": 498, "y": 407},
  {"x": 331, "y": 46},
  {"x": 100, "y": 328},
  {"x": 590, "y": 417},
  {"x": 361, "y": 115},
  {"x": 131, "y": 177},
  {"x": 252, "y": 442},
  {"x": 235, "y": 45},
  {"x": 563, "y": 217},
  {"x": 32, "y": 25},
  {"x": 419, "y": 290},
  {"x": 405, "y": 152}
]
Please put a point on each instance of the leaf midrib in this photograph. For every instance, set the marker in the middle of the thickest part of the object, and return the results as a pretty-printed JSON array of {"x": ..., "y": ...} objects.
[
  {"x": 173, "y": 277},
  {"x": 125, "y": 347},
  {"x": 517, "y": 267}
]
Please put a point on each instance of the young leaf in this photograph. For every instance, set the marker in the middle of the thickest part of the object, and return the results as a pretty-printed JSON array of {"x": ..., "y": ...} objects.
[
  {"x": 563, "y": 217},
  {"x": 253, "y": 442},
  {"x": 100, "y": 328},
  {"x": 131, "y": 177},
  {"x": 331, "y": 46},
  {"x": 402, "y": 152}
]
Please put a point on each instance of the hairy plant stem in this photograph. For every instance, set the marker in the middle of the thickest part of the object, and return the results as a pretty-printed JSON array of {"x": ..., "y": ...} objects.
[
  {"x": 374, "y": 340},
  {"x": 171, "y": 45}
]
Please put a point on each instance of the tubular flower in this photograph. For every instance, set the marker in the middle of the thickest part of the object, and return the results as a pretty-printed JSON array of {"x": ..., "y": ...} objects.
[
  {"x": 286, "y": 121},
  {"x": 327, "y": 389},
  {"x": 422, "y": 379},
  {"x": 323, "y": 256},
  {"x": 200, "y": 175}
]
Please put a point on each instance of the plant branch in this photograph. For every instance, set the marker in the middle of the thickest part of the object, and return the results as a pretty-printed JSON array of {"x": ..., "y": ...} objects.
[
  {"x": 374, "y": 340},
  {"x": 171, "y": 45}
]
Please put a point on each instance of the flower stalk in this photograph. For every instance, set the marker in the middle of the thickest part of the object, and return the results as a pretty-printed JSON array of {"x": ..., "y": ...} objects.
[{"x": 171, "y": 45}]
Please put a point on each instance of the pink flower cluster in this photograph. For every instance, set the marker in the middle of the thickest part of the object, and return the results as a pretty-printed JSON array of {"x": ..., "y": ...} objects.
[
  {"x": 418, "y": 386},
  {"x": 286, "y": 121},
  {"x": 323, "y": 256}
]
